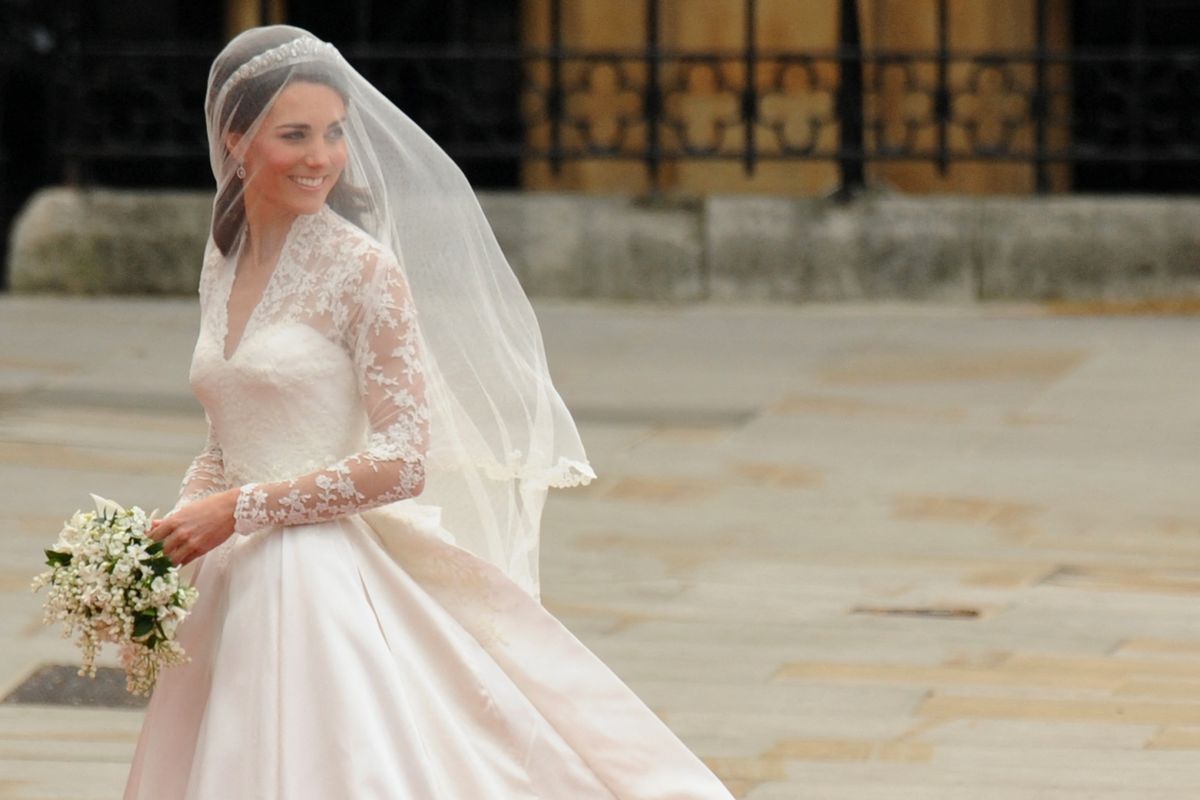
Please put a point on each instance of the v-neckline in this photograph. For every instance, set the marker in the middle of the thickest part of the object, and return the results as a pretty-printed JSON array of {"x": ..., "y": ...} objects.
[{"x": 280, "y": 262}]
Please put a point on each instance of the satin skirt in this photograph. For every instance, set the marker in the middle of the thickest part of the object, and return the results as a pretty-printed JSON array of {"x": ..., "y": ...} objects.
[{"x": 368, "y": 657}]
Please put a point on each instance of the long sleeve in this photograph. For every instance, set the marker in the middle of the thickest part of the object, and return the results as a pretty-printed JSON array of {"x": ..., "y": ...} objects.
[
  {"x": 381, "y": 336},
  {"x": 205, "y": 475}
]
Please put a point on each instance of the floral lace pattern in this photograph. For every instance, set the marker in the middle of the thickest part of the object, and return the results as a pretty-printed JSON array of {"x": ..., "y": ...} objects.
[
  {"x": 333, "y": 279},
  {"x": 205, "y": 475}
]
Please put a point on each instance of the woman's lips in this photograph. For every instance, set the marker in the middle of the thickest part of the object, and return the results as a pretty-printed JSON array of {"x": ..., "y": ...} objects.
[{"x": 306, "y": 183}]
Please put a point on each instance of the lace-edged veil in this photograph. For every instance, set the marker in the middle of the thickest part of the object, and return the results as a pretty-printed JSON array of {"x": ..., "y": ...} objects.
[{"x": 500, "y": 435}]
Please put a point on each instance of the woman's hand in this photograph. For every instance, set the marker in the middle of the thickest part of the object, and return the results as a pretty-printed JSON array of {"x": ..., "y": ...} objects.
[{"x": 196, "y": 528}]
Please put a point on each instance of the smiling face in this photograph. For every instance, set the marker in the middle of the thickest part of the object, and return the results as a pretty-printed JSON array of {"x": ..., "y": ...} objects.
[{"x": 299, "y": 151}]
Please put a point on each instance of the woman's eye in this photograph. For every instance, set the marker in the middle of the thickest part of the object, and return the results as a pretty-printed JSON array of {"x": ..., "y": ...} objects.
[
  {"x": 335, "y": 134},
  {"x": 294, "y": 136}
]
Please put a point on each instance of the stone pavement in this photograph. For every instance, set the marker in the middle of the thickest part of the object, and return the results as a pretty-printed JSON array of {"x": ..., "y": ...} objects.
[{"x": 848, "y": 553}]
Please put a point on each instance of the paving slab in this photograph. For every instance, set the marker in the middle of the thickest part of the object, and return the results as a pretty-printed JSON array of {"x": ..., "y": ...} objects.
[{"x": 848, "y": 552}]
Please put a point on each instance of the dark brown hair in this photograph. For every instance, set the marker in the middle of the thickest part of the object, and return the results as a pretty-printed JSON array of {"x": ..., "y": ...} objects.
[{"x": 244, "y": 104}]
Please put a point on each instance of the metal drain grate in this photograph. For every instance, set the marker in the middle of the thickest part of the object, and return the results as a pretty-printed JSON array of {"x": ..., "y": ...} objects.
[
  {"x": 61, "y": 685},
  {"x": 922, "y": 613}
]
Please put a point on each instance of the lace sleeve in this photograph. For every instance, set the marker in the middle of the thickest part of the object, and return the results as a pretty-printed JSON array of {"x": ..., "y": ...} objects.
[
  {"x": 382, "y": 337},
  {"x": 205, "y": 475}
]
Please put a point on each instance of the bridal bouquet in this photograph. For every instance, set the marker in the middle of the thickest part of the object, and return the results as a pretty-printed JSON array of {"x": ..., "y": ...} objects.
[{"x": 110, "y": 582}]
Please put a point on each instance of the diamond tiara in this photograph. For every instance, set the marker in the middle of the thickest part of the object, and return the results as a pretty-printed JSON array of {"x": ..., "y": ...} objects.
[{"x": 305, "y": 47}]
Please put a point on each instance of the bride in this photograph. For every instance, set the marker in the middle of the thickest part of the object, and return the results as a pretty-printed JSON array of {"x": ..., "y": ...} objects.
[{"x": 363, "y": 522}]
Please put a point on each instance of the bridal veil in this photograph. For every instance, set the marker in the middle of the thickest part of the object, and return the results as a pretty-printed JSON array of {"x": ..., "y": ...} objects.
[{"x": 500, "y": 435}]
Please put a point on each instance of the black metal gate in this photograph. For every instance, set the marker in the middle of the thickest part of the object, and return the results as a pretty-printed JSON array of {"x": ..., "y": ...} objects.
[
  {"x": 1124, "y": 98},
  {"x": 111, "y": 92},
  {"x": 1136, "y": 83}
]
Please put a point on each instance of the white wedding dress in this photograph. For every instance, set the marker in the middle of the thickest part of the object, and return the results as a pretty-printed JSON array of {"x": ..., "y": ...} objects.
[{"x": 345, "y": 649}]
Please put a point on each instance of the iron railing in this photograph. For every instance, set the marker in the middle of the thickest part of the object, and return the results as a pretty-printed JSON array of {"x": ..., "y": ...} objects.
[{"x": 132, "y": 113}]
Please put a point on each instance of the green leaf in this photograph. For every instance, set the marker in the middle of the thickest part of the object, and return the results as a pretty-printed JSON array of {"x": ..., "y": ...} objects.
[
  {"x": 155, "y": 548},
  {"x": 143, "y": 624},
  {"x": 152, "y": 641},
  {"x": 57, "y": 559},
  {"x": 160, "y": 565}
]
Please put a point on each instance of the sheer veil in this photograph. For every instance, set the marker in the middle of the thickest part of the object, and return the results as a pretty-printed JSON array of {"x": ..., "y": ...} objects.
[{"x": 500, "y": 435}]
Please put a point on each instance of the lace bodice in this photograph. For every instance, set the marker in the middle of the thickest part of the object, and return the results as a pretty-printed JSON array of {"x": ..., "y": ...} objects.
[{"x": 320, "y": 410}]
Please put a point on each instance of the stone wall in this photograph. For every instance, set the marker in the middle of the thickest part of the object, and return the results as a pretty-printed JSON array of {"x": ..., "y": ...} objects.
[
  {"x": 109, "y": 242},
  {"x": 733, "y": 247}
]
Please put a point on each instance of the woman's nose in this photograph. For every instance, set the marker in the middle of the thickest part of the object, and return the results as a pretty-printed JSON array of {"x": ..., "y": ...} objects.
[{"x": 317, "y": 155}]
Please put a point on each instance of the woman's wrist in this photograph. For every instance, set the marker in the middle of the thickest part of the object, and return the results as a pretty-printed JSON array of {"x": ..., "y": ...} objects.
[{"x": 229, "y": 499}]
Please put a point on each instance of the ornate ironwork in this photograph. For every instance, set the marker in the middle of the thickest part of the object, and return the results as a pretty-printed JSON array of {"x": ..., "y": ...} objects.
[{"x": 508, "y": 104}]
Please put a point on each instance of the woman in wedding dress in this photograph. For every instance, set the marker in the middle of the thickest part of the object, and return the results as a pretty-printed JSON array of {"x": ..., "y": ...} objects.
[{"x": 363, "y": 522}]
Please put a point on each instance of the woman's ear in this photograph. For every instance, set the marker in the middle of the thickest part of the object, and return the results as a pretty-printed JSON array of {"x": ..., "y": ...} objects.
[{"x": 231, "y": 142}]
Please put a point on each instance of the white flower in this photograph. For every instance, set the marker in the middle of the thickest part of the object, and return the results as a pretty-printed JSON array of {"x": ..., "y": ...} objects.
[{"x": 107, "y": 508}]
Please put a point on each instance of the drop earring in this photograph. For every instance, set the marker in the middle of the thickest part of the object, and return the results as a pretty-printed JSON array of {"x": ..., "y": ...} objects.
[{"x": 241, "y": 172}]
